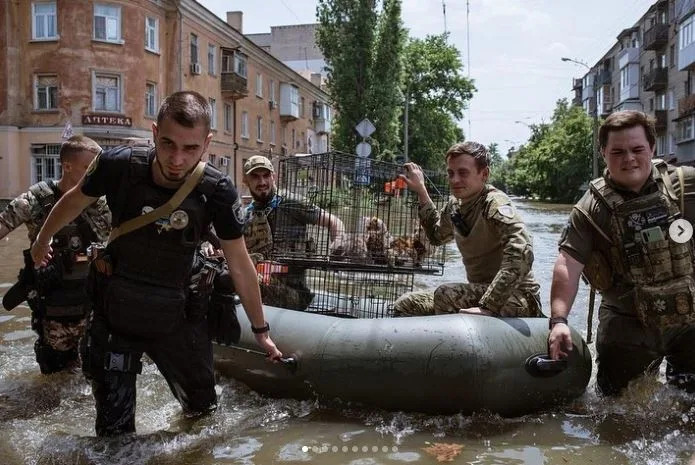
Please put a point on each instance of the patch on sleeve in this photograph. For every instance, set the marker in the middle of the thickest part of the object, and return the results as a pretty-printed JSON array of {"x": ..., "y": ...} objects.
[
  {"x": 506, "y": 210},
  {"x": 93, "y": 165},
  {"x": 239, "y": 212}
]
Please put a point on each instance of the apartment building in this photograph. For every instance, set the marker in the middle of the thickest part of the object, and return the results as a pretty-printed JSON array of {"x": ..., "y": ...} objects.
[
  {"x": 649, "y": 68},
  {"x": 101, "y": 68}
]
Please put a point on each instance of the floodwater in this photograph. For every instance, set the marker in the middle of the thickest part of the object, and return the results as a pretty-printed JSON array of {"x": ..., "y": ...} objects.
[{"x": 48, "y": 420}]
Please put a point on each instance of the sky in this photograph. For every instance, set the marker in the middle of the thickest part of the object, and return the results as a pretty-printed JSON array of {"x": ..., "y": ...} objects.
[{"x": 516, "y": 48}]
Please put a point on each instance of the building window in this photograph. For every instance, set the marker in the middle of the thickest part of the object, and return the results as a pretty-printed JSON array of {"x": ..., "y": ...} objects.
[
  {"x": 301, "y": 107},
  {"x": 194, "y": 48},
  {"x": 685, "y": 129},
  {"x": 671, "y": 100},
  {"x": 212, "y": 53},
  {"x": 686, "y": 32},
  {"x": 272, "y": 132},
  {"x": 259, "y": 129},
  {"x": 271, "y": 90},
  {"x": 240, "y": 64},
  {"x": 660, "y": 101},
  {"x": 213, "y": 113},
  {"x": 45, "y": 162},
  {"x": 45, "y": 21},
  {"x": 294, "y": 139},
  {"x": 245, "y": 124},
  {"x": 46, "y": 97},
  {"x": 212, "y": 159},
  {"x": 107, "y": 23},
  {"x": 150, "y": 99},
  {"x": 228, "y": 118},
  {"x": 672, "y": 55},
  {"x": 661, "y": 146},
  {"x": 107, "y": 92},
  {"x": 259, "y": 85},
  {"x": 152, "y": 34}
]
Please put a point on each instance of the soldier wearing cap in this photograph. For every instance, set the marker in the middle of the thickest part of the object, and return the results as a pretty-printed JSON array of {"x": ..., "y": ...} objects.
[
  {"x": 618, "y": 238},
  {"x": 491, "y": 236},
  {"x": 276, "y": 222}
]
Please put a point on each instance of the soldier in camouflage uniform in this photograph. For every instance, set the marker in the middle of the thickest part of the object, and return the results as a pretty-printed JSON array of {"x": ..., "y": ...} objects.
[
  {"x": 493, "y": 241},
  {"x": 56, "y": 294},
  {"x": 277, "y": 222},
  {"x": 618, "y": 237}
]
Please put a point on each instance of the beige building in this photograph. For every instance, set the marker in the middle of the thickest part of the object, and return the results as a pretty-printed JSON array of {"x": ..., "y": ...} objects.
[{"x": 103, "y": 67}]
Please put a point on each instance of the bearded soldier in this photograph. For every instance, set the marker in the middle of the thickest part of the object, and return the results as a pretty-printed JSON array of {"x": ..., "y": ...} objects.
[
  {"x": 493, "y": 240},
  {"x": 56, "y": 293}
]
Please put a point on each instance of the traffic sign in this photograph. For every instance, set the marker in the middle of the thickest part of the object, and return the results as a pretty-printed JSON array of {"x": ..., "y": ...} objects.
[
  {"x": 365, "y": 128},
  {"x": 363, "y": 149}
]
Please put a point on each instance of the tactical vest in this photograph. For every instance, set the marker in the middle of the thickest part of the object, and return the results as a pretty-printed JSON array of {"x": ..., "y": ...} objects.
[
  {"x": 162, "y": 252},
  {"x": 62, "y": 285},
  {"x": 642, "y": 254},
  {"x": 258, "y": 234}
]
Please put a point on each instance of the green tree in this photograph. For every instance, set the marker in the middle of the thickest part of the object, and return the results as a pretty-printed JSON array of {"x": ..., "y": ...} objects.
[
  {"x": 437, "y": 94},
  {"x": 363, "y": 49}
]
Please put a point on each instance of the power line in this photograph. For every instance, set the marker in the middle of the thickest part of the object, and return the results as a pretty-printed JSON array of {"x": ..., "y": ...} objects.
[{"x": 291, "y": 11}]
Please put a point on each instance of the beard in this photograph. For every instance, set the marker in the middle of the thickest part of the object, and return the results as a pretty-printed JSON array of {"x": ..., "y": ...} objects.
[{"x": 263, "y": 198}]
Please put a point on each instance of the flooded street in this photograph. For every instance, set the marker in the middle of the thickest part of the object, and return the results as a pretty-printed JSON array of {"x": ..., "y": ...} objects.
[{"x": 48, "y": 420}]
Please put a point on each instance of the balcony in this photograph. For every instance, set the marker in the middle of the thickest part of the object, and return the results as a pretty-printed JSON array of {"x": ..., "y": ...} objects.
[
  {"x": 606, "y": 107},
  {"x": 627, "y": 56},
  {"x": 684, "y": 8},
  {"x": 577, "y": 84},
  {"x": 233, "y": 85},
  {"x": 655, "y": 79},
  {"x": 686, "y": 106},
  {"x": 604, "y": 77},
  {"x": 661, "y": 117},
  {"x": 656, "y": 38}
]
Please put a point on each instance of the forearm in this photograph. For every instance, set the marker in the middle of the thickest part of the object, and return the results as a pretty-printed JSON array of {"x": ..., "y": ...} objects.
[
  {"x": 4, "y": 230},
  {"x": 564, "y": 287},
  {"x": 65, "y": 210},
  {"x": 245, "y": 278}
]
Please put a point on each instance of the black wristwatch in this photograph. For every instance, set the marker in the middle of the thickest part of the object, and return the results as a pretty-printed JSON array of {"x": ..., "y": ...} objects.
[
  {"x": 261, "y": 330},
  {"x": 555, "y": 320}
]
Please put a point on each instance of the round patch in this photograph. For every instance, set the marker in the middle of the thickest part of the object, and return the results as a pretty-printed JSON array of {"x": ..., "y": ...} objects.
[
  {"x": 93, "y": 165},
  {"x": 146, "y": 209},
  {"x": 239, "y": 212},
  {"x": 506, "y": 210},
  {"x": 75, "y": 243},
  {"x": 178, "y": 219}
]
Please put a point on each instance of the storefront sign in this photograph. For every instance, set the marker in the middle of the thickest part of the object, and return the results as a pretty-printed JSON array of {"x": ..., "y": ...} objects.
[{"x": 105, "y": 120}]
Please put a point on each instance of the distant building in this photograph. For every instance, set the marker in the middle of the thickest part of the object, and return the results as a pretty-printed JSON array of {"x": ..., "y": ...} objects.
[
  {"x": 105, "y": 66},
  {"x": 650, "y": 68}
]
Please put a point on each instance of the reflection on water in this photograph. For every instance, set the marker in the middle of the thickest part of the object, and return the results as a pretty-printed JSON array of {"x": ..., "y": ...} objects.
[{"x": 49, "y": 419}]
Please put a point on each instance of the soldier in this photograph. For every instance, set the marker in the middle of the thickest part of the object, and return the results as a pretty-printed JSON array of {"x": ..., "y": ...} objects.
[
  {"x": 618, "y": 236},
  {"x": 145, "y": 299},
  {"x": 279, "y": 220},
  {"x": 493, "y": 241},
  {"x": 57, "y": 294}
]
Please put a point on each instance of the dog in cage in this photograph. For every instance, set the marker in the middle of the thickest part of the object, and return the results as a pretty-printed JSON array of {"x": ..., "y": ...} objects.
[{"x": 413, "y": 248}]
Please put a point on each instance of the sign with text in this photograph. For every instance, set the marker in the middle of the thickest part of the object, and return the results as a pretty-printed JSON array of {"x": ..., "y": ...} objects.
[{"x": 107, "y": 120}]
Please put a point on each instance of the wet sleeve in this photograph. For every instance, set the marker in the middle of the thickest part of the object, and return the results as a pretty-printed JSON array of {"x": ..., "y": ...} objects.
[
  {"x": 437, "y": 225},
  {"x": 18, "y": 211},
  {"x": 226, "y": 211},
  {"x": 577, "y": 238},
  {"x": 517, "y": 253}
]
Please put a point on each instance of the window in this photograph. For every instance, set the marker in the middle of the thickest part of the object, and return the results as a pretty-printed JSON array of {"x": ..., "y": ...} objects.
[
  {"x": 46, "y": 162},
  {"x": 624, "y": 79},
  {"x": 301, "y": 107},
  {"x": 46, "y": 97},
  {"x": 685, "y": 129},
  {"x": 271, "y": 90},
  {"x": 151, "y": 34},
  {"x": 228, "y": 118},
  {"x": 259, "y": 128},
  {"x": 661, "y": 60},
  {"x": 672, "y": 55},
  {"x": 45, "y": 22},
  {"x": 259, "y": 85},
  {"x": 107, "y": 92},
  {"x": 272, "y": 132},
  {"x": 212, "y": 52},
  {"x": 294, "y": 138},
  {"x": 660, "y": 101},
  {"x": 107, "y": 22},
  {"x": 194, "y": 48},
  {"x": 212, "y": 159},
  {"x": 661, "y": 146},
  {"x": 150, "y": 99},
  {"x": 671, "y": 100},
  {"x": 686, "y": 32},
  {"x": 240, "y": 64},
  {"x": 245, "y": 124},
  {"x": 213, "y": 113}
]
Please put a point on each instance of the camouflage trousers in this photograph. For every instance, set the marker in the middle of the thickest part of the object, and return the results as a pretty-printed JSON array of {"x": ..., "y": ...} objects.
[
  {"x": 63, "y": 336},
  {"x": 452, "y": 297}
]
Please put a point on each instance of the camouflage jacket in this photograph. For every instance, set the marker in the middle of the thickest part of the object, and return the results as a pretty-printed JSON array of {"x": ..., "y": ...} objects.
[{"x": 495, "y": 245}]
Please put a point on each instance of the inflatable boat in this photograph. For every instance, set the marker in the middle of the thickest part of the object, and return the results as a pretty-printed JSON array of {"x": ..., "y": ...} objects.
[{"x": 433, "y": 364}]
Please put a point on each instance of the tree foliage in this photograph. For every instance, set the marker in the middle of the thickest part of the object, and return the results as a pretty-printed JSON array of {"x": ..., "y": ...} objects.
[
  {"x": 438, "y": 94},
  {"x": 363, "y": 48},
  {"x": 556, "y": 161}
]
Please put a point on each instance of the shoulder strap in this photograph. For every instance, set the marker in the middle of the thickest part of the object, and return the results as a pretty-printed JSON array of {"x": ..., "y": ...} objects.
[
  {"x": 681, "y": 184},
  {"x": 163, "y": 210},
  {"x": 591, "y": 221},
  {"x": 665, "y": 179}
]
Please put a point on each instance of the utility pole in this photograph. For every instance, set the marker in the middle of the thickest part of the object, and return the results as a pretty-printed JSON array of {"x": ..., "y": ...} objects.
[
  {"x": 594, "y": 125},
  {"x": 405, "y": 125}
]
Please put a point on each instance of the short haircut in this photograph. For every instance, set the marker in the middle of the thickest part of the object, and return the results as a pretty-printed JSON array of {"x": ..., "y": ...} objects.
[
  {"x": 475, "y": 149},
  {"x": 187, "y": 108},
  {"x": 75, "y": 145},
  {"x": 627, "y": 119}
]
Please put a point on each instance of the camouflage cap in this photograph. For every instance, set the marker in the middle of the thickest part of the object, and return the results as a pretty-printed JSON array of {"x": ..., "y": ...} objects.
[{"x": 256, "y": 162}]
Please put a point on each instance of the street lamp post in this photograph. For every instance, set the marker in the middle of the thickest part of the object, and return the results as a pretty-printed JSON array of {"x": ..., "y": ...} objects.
[{"x": 594, "y": 128}]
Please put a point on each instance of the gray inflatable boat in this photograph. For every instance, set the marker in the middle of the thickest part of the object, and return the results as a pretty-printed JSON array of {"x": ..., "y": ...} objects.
[{"x": 434, "y": 364}]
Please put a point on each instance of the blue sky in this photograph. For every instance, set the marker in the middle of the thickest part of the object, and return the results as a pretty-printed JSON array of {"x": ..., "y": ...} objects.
[{"x": 515, "y": 49}]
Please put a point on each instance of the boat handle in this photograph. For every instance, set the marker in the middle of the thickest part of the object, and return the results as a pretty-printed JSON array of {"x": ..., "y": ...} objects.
[
  {"x": 543, "y": 365},
  {"x": 289, "y": 362}
]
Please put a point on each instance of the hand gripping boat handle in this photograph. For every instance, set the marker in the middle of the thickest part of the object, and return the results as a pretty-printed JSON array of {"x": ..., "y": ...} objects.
[
  {"x": 289, "y": 362},
  {"x": 542, "y": 365}
]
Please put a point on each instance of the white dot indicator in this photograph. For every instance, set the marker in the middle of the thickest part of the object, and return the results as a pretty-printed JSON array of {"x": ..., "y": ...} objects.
[{"x": 305, "y": 449}]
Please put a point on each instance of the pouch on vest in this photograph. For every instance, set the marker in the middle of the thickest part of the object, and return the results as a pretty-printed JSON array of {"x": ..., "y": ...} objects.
[
  {"x": 666, "y": 305},
  {"x": 259, "y": 236},
  {"x": 141, "y": 310},
  {"x": 66, "y": 303},
  {"x": 598, "y": 271}
]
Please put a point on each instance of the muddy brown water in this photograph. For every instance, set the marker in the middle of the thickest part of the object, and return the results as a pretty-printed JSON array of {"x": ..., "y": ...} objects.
[{"x": 49, "y": 419}]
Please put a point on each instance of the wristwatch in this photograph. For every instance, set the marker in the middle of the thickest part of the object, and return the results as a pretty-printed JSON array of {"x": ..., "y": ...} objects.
[
  {"x": 261, "y": 330},
  {"x": 555, "y": 320}
]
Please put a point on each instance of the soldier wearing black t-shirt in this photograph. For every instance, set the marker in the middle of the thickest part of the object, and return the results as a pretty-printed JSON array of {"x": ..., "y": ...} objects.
[{"x": 145, "y": 303}]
